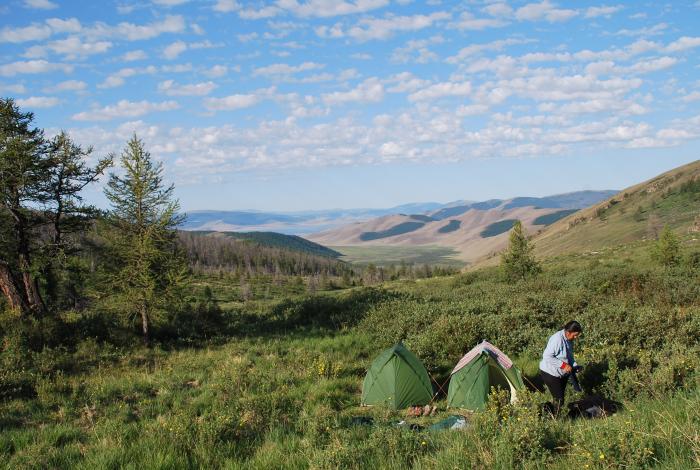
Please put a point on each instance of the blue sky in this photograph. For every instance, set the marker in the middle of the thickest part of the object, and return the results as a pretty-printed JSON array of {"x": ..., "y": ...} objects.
[{"x": 314, "y": 104}]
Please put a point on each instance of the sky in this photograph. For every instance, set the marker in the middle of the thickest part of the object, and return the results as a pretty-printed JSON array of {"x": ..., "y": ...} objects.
[{"x": 294, "y": 105}]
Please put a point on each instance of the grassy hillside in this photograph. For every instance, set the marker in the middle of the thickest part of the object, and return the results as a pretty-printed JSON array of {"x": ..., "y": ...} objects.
[
  {"x": 634, "y": 214},
  {"x": 280, "y": 385}
]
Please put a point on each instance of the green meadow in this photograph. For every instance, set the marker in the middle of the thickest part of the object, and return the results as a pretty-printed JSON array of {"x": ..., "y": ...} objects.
[{"x": 277, "y": 385}]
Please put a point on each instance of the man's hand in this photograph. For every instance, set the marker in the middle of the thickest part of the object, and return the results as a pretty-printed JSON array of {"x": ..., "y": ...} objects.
[{"x": 567, "y": 368}]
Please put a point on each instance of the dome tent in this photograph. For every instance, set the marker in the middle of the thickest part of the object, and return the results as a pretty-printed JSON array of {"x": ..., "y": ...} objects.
[
  {"x": 483, "y": 367},
  {"x": 397, "y": 379}
]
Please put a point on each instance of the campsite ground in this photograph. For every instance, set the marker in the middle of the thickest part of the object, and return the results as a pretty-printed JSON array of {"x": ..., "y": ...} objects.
[{"x": 280, "y": 386}]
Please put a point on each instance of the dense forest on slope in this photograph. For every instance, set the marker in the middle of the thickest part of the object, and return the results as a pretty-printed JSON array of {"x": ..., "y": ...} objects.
[{"x": 244, "y": 253}]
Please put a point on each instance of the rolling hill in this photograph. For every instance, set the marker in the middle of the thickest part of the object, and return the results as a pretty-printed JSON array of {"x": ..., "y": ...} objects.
[
  {"x": 277, "y": 240},
  {"x": 473, "y": 230},
  {"x": 632, "y": 215}
]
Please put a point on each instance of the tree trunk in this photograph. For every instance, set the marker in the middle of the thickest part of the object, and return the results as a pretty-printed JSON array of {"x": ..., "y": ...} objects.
[
  {"x": 31, "y": 286},
  {"x": 8, "y": 286},
  {"x": 144, "y": 327}
]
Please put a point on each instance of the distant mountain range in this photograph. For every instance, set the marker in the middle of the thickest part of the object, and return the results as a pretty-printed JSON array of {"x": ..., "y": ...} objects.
[
  {"x": 310, "y": 222},
  {"x": 473, "y": 229},
  {"x": 292, "y": 223}
]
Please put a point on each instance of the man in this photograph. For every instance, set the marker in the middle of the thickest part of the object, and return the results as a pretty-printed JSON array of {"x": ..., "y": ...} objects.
[{"x": 558, "y": 362}]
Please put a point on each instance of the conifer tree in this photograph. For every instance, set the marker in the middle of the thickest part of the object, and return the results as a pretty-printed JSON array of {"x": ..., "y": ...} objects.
[
  {"x": 148, "y": 263},
  {"x": 667, "y": 250},
  {"x": 22, "y": 182},
  {"x": 518, "y": 261}
]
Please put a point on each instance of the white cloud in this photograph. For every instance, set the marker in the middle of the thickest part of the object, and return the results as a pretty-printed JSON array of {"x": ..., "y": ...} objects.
[
  {"x": 232, "y": 102},
  {"x": 683, "y": 44},
  {"x": 40, "y": 4},
  {"x": 33, "y": 67},
  {"x": 265, "y": 12},
  {"x": 383, "y": 28},
  {"x": 361, "y": 56},
  {"x": 38, "y": 102},
  {"x": 170, "y": 88},
  {"x": 216, "y": 71},
  {"x": 500, "y": 9},
  {"x": 132, "y": 56},
  {"x": 169, "y": 3},
  {"x": 13, "y": 88},
  {"x": 125, "y": 109},
  {"x": 328, "y": 8},
  {"x": 649, "y": 31},
  {"x": 468, "y": 22},
  {"x": 405, "y": 82},
  {"x": 135, "y": 32},
  {"x": 471, "y": 110},
  {"x": 73, "y": 47},
  {"x": 369, "y": 91},
  {"x": 441, "y": 90},
  {"x": 39, "y": 31},
  {"x": 690, "y": 97},
  {"x": 544, "y": 11},
  {"x": 68, "y": 85},
  {"x": 247, "y": 37},
  {"x": 416, "y": 50},
  {"x": 27, "y": 33},
  {"x": 226, "y": 6},
  {"x": 117, "y": 79},
  {"x": 603, "y": 10},
  {"x": 175, "y": 49},
  {"x": 474, "y": 49},
  {"x": 112, "y": 81},
  {"x": 286, "y": 69}
]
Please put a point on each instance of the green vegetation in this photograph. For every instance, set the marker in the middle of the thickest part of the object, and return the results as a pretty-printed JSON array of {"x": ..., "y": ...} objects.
[
  {"x": 497, "y": 228},
  {"x": 399, "y": 229},
  {"x": 667, "y": 250},
  {"x": 451, "y": 226},
  {"x": 288, "y": 242},
  {"x": 517, "y": 260},
  {"x": 388, "y": 255},
  {"x": 549, "y": 219},
  {"x": 422, "y": 218},
  {"x": 280, "y": 385},
  {"x": 638, "y": 213}
]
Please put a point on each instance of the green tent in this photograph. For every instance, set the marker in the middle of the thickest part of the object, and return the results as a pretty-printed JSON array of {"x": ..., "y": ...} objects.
[
  {"x": 397, "y": 379},
  {"x": 483, "y": 367}
]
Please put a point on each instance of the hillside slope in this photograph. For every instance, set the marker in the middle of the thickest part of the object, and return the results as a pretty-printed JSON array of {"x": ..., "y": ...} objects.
[
  {"x": 474, "y": 230},
  {"x": 634, "y": 214}
]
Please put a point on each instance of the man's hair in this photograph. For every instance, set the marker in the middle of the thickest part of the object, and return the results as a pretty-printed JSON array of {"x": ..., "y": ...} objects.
[{"x": 573, "y": 327}]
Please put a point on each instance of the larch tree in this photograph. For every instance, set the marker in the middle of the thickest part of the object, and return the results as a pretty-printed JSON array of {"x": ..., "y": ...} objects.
[
  {"x": 148, "y": 265},
  {"x": 517, "y": 261},
  {"x": 22, "y": 183}
]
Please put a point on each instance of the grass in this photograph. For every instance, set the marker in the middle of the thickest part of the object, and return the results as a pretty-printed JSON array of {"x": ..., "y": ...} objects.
[
  {"x": 387, "y": 255},
  {"x": 288, "y": 402},
  {"x": 280, "y": 387}
]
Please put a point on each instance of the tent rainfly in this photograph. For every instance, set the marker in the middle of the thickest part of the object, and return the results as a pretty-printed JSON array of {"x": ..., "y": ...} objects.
[
  {"x": 397, "y": 379},
  {"x": 483, "y": 367}
]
